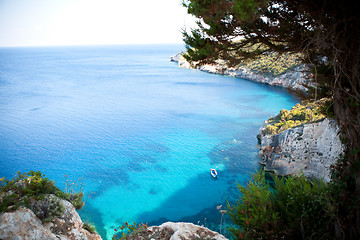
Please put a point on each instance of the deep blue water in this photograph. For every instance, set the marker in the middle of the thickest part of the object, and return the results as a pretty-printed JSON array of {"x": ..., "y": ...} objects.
[{"x": 140, "y": 132}]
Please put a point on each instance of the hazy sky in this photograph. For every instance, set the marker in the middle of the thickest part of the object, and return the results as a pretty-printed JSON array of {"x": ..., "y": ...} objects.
[{"x": 83, "y": 22}]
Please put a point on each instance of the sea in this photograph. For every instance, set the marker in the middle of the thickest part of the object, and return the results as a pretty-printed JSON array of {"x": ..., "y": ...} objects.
[{"x": 133, "y": 131}]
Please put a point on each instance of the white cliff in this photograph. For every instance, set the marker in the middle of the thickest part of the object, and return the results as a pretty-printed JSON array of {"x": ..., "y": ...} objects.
[
  {"x": 24, "y": 224},
  {"x": 293, "y": 79},
  {"x": 311, "y": 148},
  {"x": 182, "y": 231}
]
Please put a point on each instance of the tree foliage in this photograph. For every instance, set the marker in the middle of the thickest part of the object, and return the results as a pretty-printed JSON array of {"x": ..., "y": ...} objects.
[
  {"x": 287, "y": 209},
  {"x": 325, "y": 32},
  {"x": 242, "y": 29}
]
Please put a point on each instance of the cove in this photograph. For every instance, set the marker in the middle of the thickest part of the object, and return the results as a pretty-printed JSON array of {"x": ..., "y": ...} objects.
[{"x": 135, "y": 132}]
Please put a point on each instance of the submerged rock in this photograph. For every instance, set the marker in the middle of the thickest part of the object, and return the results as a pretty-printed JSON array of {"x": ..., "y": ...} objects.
[
  {"x": 311, "y": 149},
  {"x": 24, "y": 224}
]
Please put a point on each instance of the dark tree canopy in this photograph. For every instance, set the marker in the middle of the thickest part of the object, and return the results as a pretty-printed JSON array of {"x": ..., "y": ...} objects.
[{"x": 325, "y": 32}]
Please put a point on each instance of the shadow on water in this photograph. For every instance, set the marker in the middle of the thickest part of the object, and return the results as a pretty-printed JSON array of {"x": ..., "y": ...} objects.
[
  {"x": 93, "y": 216},
  {"x": 120, "y": 176},
  {"x": 197, "y": 202}
]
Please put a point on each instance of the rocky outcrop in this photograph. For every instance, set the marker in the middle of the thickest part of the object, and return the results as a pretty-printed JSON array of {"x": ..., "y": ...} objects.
[
  {"x": 182, "y": 231},
  {"x": 24, "y": 224},
  {"x": 293, "y": 79},
  {"x": 311, "y": 148}
]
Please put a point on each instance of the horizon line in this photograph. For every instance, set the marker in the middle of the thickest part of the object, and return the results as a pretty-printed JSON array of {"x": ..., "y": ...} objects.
[{"x": 90, "y": 45}]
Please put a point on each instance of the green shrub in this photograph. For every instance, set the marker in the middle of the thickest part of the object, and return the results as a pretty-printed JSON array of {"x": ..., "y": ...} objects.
[
  {"x": 48, "y": 208},
  {"x": 253, "y": 214},
  {"x": 76, "y": 199},
  {"x": 300, "y": 114},
  {"x": 273, "y": 63},
  {"x": 32, "y": 190},
  {"x": 90, "y": 227},
  {"x": 291, "y": 208},
  {"x": 9, "y": 200},
  {"x": 270, "y": 129}
]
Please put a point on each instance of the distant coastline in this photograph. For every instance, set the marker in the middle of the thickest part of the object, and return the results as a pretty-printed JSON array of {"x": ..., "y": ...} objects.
[{"x": 294, "y": 79}]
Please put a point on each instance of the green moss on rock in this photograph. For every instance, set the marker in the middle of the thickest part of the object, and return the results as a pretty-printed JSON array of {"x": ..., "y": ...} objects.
[
  {"x": 273, "y": 63},
  {"x": 302, "y": 113}
]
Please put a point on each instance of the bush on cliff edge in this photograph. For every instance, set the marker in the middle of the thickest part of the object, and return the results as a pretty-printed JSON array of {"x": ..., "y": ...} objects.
[
  {"x": 33, "y": 190},
  {"x": 302, "y": 113},
  {"x": 289, "y": 208}
]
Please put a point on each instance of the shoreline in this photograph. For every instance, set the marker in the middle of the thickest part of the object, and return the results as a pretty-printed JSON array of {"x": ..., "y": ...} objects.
[
  {"x": 319, "y": 142},
  {"x": 293, "y": 79}
]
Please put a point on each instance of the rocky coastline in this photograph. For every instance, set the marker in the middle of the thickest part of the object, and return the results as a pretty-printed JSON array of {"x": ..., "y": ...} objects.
[
  {"x": 293, "y": 79},
  {"x": 310, "y": 149}
]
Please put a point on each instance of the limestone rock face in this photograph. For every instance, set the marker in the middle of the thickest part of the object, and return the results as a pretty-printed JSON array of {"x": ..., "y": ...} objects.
[
  {"x": 311, "y": 149},
  {"x": 182, "y": 231},
  {"x": 293, "y": 79},
  {"x": 24, "y": 224},
  {"x": 177, "y": 57}
]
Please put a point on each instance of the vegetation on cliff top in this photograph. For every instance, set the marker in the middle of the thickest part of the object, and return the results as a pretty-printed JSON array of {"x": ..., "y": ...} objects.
[
  {"x": 272, "y": 63},
  {"x": 34, "y": 191},
  {"x": 302, "y": 113}
]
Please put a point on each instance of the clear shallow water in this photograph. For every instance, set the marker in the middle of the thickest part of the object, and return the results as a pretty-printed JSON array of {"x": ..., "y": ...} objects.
[{"x": 142, "y": 132}]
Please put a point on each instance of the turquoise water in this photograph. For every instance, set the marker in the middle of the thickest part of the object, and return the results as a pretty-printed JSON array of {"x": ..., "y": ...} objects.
[{"x": 140, "y": 132}]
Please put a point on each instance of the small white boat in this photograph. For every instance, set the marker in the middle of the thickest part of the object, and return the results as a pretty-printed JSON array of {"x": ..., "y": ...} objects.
[{"x": 213, "y": 172}]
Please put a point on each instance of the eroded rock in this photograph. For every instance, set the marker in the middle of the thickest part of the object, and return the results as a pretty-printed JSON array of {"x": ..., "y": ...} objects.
[
  {"x": 24, "y": 224},
  {"x": 182, "y": 231},
  {"x": 311, "y": 148}
]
